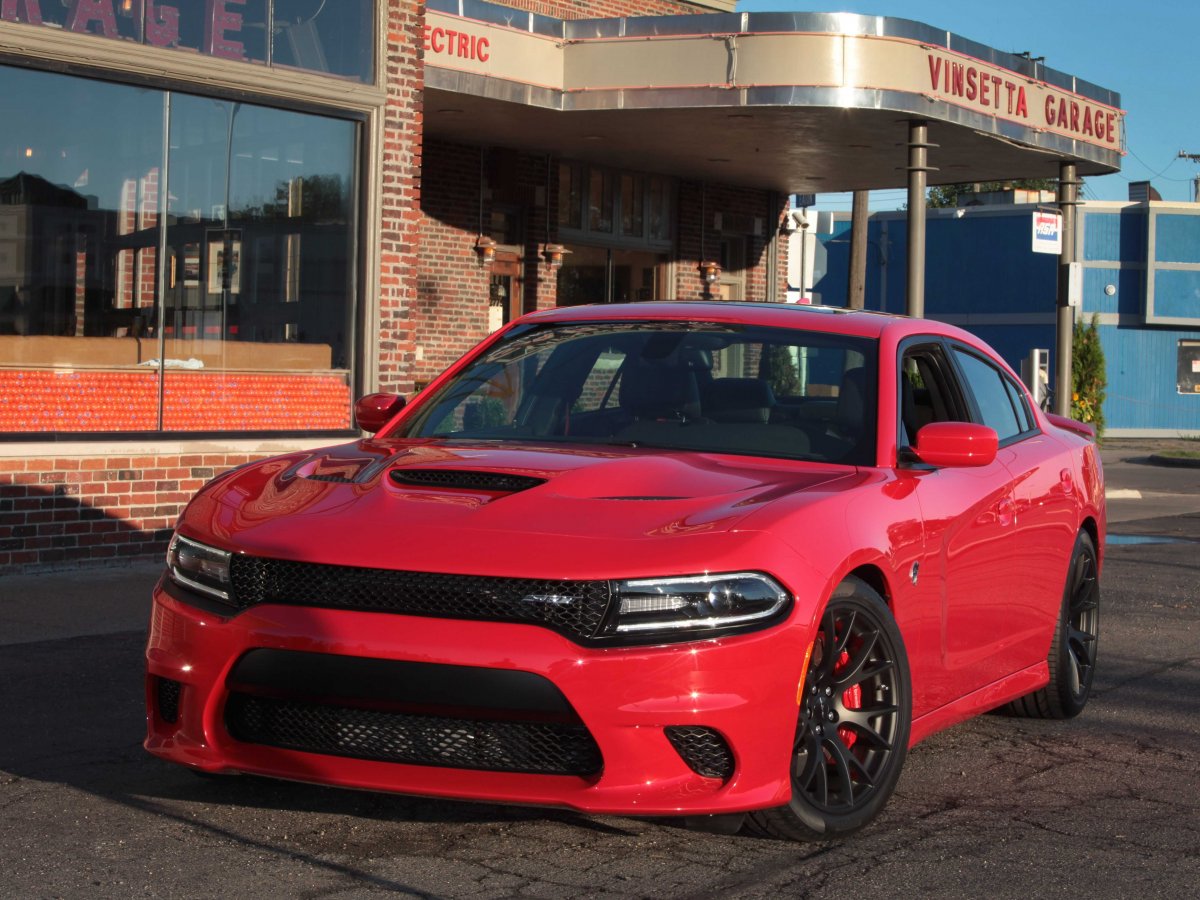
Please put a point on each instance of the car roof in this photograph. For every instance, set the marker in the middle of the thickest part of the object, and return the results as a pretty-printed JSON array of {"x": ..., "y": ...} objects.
[{"x": 859, "y": 323}]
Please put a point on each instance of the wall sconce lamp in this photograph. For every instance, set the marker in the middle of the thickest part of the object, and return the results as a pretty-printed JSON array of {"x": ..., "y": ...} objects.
[
  {"x": 554, "y": 253},
  {"x": 710, "y": 271},
  {"x": 486, "y": 248}
]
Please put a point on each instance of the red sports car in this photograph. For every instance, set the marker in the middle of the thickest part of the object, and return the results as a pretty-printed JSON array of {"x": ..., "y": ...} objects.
[{"x": 701, "y": 559}]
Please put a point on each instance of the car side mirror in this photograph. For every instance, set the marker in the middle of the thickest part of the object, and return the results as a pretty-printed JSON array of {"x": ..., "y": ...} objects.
[
  {"x": 374, "y": 411},
  {"x": 953, "y": 444}
]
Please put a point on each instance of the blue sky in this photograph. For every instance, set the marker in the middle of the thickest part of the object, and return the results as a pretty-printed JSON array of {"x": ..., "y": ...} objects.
[{"x": 1146, "y": 51}]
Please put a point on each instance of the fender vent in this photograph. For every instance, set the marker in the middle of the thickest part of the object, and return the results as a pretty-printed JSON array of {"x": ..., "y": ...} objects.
[
  {"x": 465, "y": 479},
  {"x": 340, "y": 479}
]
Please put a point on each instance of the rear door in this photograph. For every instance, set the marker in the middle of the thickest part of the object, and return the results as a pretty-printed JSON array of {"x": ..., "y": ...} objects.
[{"x": 1044, "y": 513}]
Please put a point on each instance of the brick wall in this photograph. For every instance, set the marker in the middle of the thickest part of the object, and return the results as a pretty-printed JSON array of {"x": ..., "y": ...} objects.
[
  {"x": 400, "y": 226},
  {"x": 700, "y": 240},
  {"x": 104, "y": 505},
  {"x": 60, "y": 510},
  {"x": 451, "y": 308}
]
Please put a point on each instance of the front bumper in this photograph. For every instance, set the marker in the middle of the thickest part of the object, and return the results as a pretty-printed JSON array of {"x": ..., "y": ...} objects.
[{"x": 742, "y": 687}]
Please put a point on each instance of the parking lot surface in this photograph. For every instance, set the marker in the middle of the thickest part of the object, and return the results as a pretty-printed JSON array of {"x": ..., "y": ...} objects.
[{"x": 1105, "y": 805}]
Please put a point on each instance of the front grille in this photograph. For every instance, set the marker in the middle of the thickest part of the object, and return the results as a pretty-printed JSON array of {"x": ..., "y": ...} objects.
[
  {"x": 573, "y": 608},
  {"x": 703, "y": 749},
  {"x": 467, "y": 479},
  {"x": 167, "y": 694},
  {"x": 544, "y": 748}
]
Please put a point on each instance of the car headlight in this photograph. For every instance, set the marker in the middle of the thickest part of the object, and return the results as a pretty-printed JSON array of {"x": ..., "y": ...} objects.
[
  {"x": 199, "y": 567},
  {"x": 683, "y": 608}
]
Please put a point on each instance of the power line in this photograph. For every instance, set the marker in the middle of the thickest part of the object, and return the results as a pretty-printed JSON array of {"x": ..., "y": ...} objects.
[{"x": 1194, "y": 157}]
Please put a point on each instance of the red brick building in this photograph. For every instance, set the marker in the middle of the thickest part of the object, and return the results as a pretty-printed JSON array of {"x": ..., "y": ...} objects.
[
  {"x": 318, "y": 241},
  {"x": 222, "y": 220}
]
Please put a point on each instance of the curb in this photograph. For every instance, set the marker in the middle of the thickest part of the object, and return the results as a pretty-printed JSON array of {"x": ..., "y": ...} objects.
[{"x": 1178, "y": 462}]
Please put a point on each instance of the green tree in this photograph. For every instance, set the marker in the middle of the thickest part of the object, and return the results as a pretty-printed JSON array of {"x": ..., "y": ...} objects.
[
  {"x": 1089, "y": 379},
  {"x": 945, "y": 196}
]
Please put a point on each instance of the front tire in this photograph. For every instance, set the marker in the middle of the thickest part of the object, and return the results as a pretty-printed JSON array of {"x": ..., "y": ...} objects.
[
  {"x": 853, "y": 723},
  {"x": 1072, "y": 656}
]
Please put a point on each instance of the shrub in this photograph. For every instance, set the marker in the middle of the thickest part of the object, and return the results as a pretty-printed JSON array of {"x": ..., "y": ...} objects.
[{"x": 1089, "y": 380}]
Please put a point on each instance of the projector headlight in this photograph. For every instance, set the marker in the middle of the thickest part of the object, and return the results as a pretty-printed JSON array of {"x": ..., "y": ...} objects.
[
  {"x": 199, "y": 567},
  {"x": 684, "y": 608}
]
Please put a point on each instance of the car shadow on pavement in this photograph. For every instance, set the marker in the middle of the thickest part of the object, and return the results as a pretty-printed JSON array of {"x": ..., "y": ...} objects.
[{"x": 72, "y": 714}]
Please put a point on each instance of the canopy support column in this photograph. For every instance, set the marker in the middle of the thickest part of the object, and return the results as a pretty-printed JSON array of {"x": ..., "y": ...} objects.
[
  {"x": 1068, "y": 198},
  {"x": 918, "y": 180}
]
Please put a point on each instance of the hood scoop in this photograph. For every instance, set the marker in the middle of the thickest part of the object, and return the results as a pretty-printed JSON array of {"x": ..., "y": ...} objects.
[
  {"x": 465, "y": 479},
  {"x": 330, "y": 476}
]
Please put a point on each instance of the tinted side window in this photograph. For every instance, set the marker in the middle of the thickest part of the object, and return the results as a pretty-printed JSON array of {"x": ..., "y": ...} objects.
[
  {"x": 927, "y": 393},
  {"x": 995, "y": 403},
  {"x": 1020, "y": 404}
]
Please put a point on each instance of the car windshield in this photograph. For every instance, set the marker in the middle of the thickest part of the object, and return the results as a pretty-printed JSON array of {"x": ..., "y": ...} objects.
[{"x": 715, "y": 388}]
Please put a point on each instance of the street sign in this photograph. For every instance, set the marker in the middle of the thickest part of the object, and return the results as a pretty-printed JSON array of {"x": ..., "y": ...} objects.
[
  {"x": 804, "y": 201},
  {"x": 1047, "y": 231}
]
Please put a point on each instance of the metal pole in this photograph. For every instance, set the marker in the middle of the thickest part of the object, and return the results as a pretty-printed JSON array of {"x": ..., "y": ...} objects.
[
  {"x": 773, "y": 248},
  {"x": 857, "y": 294},
  {"x": 918, "y": 179},
  {"x": 1068, "y": 185}
]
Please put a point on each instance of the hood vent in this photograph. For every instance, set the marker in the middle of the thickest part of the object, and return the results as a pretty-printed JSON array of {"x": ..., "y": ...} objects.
[
  {"x": 465, "y": 479},
  {"x": 340, "y": 479}
]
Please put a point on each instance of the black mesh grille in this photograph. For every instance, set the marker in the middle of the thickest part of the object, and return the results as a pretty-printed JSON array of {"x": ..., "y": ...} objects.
[
  {"x": 703, "y": 749},
  {"x": 340, "y": 479},
  {"x": 467, "y": 479},
  {"x": 574, "y": 608},
  {"x": 168, "y": 699},
  {"x": 545, "y": 748}
]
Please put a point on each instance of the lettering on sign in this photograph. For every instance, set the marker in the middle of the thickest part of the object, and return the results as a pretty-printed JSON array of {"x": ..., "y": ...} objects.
[
  {"x": 222, "y": 21},
  {"x": 959, "y": 79},
  {"x": 994, "y": 92},
  {"x": 461, "y": 44}
]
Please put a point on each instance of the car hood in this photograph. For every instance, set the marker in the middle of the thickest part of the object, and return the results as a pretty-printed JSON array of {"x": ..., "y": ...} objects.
[{"x": 465, "y": 507}]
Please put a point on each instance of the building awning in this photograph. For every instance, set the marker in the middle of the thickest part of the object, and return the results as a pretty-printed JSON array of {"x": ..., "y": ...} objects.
[{"x": 797, "y": 102}]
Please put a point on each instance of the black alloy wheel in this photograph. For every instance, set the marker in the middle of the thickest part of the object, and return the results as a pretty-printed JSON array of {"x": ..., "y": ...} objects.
[
  {"x": 853, "y": 725},
  {"x": 1072, "y": 657}
]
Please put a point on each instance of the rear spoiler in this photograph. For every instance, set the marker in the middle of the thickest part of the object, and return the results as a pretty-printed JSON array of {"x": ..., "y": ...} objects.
[{"x": 1083, "y": 429}]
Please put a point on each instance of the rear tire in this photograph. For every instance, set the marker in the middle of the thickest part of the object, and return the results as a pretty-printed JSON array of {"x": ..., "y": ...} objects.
[
  {"x": 852, "y": 725},
  {"x": 1072, "y": 656}
]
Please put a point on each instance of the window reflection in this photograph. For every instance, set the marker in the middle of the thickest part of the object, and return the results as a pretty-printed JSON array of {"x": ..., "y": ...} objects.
[
  {"x": 331, "y": 36},
  {"x": 253, "y": 331}
]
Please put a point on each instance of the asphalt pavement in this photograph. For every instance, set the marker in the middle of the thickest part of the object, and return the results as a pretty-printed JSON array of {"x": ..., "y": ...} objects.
[{"x": 1106, "y": 805}]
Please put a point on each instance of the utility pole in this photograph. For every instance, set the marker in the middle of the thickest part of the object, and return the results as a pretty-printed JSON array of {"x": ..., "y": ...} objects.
[{"x": 1194, "y": 157}]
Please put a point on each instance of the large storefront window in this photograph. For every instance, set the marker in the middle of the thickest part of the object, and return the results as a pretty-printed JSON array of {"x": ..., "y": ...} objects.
[
  {"x": 207, "y": 285},
  {"x": 335, "y": 37},
  {"x": 618, "y": 233},
  {"x": 609, "y": 275},
  {"x": 644, "y": 206}
]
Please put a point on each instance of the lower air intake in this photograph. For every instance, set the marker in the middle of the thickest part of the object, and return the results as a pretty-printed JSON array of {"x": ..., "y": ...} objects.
[
  {"x": 167, "y": 699},
  {"x": 703, "y": 749},
  {"x": 490, "y": 745}
]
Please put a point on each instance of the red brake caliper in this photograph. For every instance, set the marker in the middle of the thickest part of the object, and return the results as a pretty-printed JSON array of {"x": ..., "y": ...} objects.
[{"x": 851, "y": 699}]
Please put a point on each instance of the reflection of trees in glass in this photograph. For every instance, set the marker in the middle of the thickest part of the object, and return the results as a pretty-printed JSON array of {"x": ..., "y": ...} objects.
[
  {"x": 780, "y": 371},
  {"x": 315, "y": 198}
]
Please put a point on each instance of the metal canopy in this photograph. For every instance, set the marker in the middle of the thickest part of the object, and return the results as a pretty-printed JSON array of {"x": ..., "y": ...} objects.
[{"x": 798, "y": 103}]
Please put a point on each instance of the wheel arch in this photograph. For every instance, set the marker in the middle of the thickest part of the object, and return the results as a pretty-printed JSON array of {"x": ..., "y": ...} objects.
[
  {"x": 875, "y": 577},
  {"x": 1092, "y": 527}
]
